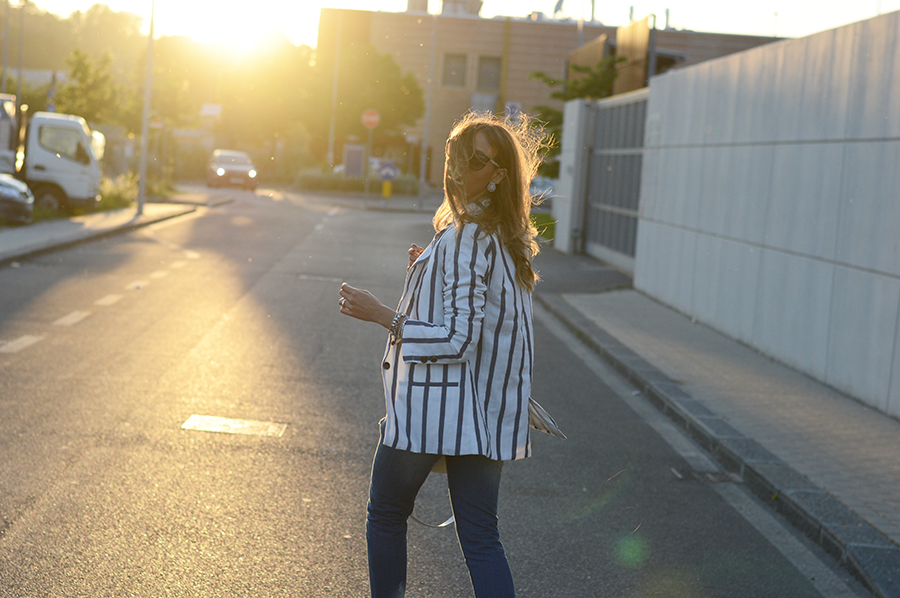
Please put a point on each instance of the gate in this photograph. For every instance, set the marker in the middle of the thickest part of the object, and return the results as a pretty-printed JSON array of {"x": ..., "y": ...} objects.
[{"x": 614, "y": 178}]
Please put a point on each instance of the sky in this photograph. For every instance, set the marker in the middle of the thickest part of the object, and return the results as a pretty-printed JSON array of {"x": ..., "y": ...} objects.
[{"x": 225, "y": 21}]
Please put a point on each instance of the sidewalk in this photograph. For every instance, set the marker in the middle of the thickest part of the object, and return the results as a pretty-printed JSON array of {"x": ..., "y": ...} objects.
[
  {"x": 828, "y": 463},
  {"x": 48, "y": 235}
]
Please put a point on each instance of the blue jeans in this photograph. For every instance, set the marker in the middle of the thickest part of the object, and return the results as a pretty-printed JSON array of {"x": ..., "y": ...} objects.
[{"x": 474, "y": 483}]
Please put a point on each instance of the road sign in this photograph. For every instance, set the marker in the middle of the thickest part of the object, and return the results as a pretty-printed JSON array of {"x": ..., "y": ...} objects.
[
  {"x": 388, "y": 171},
  {"x": 370, "y": 118}
]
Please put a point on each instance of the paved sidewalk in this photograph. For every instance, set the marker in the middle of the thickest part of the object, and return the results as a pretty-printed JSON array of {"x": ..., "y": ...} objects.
[
  {"x": 20, "y": 242},
  {"x": 828, "y": 463}
]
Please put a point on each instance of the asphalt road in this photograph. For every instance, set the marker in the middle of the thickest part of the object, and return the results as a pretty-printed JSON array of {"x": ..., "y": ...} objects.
[{"x": 111, "y": 346}]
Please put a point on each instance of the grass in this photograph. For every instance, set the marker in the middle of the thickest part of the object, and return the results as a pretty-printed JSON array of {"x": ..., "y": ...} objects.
[{"x": 545, "y": 224}]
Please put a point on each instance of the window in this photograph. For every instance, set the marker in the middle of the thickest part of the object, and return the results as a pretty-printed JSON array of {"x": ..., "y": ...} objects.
[
  {"x": 455, "y": 70},
  {"x": 64, "y": 142},
  {"x": 489, "y": 73}
]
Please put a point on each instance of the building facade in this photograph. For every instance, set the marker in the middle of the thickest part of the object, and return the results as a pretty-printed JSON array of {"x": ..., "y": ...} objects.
[{"x": 464, "y": 62}]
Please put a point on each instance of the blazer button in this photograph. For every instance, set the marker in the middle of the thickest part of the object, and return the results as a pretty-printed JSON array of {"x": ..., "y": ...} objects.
[
  {"x": 423, "y": 359},
  {"x": 433, "y": 359},
  {"x": 386, "y": 365}
]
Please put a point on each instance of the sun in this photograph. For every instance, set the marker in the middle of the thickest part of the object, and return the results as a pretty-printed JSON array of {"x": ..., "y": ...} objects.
[{"x": 238, "y": 25}]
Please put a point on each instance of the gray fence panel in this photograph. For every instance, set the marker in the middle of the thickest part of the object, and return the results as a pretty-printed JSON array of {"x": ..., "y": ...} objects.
[{"x": 614, "y": 178}]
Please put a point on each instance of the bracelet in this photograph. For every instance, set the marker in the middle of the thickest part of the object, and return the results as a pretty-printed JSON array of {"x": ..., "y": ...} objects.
[
  {"x": 393, "y": 327},
  {"x": 396, "y": 329},
  {"x": 400, "y": 329}
]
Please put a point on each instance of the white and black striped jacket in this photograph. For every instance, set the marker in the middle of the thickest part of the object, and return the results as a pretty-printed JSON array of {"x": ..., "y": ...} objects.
[{"x": 459, "y": 382}]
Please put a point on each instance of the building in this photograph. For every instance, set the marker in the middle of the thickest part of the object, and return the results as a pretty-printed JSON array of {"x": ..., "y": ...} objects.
[{"x": 477, "y": 63}]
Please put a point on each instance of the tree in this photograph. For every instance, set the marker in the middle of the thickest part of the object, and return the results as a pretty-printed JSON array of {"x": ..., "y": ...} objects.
[
  {"x": 366, "y": 80},
  {"x": 90, "y": 92},
  {"x": 593, "y": 82},
  {"x": 264, "y": 96}
]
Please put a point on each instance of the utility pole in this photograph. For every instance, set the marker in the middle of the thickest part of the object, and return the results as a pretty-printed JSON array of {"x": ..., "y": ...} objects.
[
  {"x": 145, "y": 121},
  {"x": 334, "y": 89},
  {"x": 432, "y": 69},
  {"x": 5, "y": 49}
]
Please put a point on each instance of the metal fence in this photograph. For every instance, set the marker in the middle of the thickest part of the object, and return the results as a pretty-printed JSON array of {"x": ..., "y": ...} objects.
[{"x": 614, "y": 178}]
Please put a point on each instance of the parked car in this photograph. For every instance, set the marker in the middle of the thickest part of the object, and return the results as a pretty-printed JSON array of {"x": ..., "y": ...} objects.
[
  {"x": 16, "y": 200},
  {"x": 230, "y": 168}
]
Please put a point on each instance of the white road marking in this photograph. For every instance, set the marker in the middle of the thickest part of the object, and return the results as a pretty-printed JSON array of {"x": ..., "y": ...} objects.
[
  {"x": 179, "y": 264},
  {"x": 159, "y": 274},
  {"x": 108, "y": 300},
  {"x": 19, "y": 344},
  {"x": 210, "y": 423},
  {"x": 137, "y": 284},
  {"x": 804, "y": 560},
  {"x": 72, "y": 319},
  {"x": 191, "y": 255}
]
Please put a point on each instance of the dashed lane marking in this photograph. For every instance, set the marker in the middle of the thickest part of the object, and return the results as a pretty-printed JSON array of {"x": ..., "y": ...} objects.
[
  {"x": 210, "y": 423},
  {"x": 19, "y": 344},
  {"x": 159, "y": 274},
  {"x": 179, "y": 264},
  {"x": 72, "y": 319},
  {"x": 108, "y": 300}
]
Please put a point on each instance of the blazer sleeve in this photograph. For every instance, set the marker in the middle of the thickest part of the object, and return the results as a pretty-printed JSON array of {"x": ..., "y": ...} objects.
[{"x": 466, "y": 262}]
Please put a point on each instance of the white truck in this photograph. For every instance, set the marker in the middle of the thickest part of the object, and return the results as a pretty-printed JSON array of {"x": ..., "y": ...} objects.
[{"x": 56, "y": 155}]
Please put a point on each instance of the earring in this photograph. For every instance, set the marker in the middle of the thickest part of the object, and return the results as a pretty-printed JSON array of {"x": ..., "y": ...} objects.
[{"x": 491, "y": 187}]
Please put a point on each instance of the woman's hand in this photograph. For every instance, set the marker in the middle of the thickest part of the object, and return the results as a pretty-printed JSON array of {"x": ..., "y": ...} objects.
[
  {"x": 363, "y": 305},
  {"x": 414, "y": 252}
]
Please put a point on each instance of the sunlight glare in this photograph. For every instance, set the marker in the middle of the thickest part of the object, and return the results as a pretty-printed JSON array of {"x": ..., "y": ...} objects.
[{"x": 219, "y": 24}]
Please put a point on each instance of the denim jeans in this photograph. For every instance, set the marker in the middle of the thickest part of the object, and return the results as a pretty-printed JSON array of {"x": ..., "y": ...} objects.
[{"x": 474, "y": 484}]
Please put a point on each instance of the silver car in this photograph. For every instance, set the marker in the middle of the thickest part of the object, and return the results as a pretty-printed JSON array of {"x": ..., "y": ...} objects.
[{"x": 230, "y": 168}]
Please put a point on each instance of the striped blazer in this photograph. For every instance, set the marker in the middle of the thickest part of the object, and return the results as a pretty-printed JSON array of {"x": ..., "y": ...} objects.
[{"x": 458, "y": 383}]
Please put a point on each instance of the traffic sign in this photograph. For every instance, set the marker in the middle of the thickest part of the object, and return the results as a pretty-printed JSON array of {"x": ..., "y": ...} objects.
[
  {"x": 370, "y": 118},
  {"x": 388, "y": 171}
]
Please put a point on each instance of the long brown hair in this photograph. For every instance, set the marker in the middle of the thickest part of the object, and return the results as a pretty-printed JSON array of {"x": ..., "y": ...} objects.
[{"x": 508, "y": 213}]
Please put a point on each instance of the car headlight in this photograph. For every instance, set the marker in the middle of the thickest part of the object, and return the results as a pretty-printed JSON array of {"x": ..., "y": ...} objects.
[
  {"x": 220, "y": 171},
  {"x": 252, "y": 174}
]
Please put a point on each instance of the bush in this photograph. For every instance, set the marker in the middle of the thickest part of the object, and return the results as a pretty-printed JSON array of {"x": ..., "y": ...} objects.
[
  {"x": 118, "y": 193},
  {"x": 314, "y": 180},
  {"x": 544, "y": 223}
]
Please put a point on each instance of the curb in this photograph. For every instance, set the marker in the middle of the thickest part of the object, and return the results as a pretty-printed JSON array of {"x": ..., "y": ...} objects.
[
  {"x": 860, "y": 547},
  {"x": 51, "y": 245}
]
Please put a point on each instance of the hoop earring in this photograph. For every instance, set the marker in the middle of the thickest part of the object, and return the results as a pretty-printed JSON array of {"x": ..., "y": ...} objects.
[{"x": 491, "y": 187}]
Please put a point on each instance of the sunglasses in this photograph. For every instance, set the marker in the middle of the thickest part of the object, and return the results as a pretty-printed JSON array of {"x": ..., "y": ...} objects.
[{"x": 479, "y": 161}]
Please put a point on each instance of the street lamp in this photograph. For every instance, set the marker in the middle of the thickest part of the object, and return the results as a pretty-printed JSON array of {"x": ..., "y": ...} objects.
[{"x": 145, "y": 121}]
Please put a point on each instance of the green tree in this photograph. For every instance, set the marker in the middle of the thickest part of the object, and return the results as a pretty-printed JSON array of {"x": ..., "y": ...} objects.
[
  {"x": 265, "y": 95},
  {"x": 366, "y": 80},
  {"x": 90, "y": 92},
  {"x": 593, "y": 82}
]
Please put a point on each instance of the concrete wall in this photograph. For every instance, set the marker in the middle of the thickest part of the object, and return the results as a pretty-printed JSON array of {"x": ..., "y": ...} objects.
[{"x": 770, "y": 202}]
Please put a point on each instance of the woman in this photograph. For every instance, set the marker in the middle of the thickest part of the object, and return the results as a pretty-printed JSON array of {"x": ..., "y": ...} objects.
[{"x": 457, "y": 368}]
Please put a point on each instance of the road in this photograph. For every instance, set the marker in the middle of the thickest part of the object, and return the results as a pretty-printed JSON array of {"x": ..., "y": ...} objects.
[{"x": 110, "y": 347}]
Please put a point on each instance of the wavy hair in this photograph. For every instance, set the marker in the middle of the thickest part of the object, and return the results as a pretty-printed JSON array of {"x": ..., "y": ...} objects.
[{"x": 517, "y": 144}]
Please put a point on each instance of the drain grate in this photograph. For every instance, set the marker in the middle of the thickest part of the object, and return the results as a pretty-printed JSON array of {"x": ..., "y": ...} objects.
[{"x": 224, "y": 425}]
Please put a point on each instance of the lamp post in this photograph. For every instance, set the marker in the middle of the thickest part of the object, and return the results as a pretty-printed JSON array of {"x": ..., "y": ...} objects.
[{"x": 145, "y": 121}]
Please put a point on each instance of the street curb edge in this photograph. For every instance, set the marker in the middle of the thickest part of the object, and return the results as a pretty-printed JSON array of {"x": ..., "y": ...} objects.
[
  {"x": 862, "y": 549},
  {"x": 56, "y": 245}
]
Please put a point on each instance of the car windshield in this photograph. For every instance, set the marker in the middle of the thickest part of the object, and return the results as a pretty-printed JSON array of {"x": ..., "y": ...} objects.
[{"x": 238, "y": 159}]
